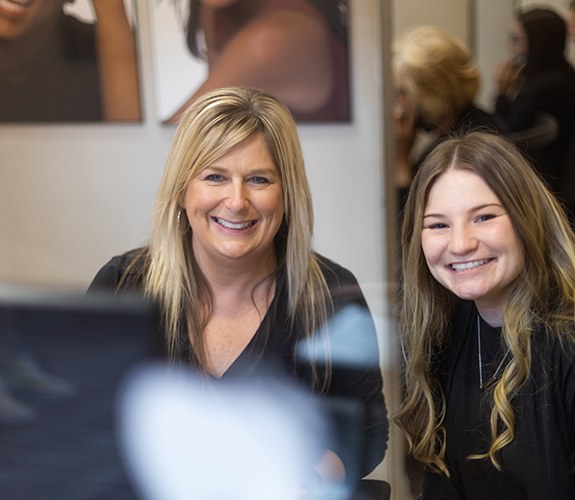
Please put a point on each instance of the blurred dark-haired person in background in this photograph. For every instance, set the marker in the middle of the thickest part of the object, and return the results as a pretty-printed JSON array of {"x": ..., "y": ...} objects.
[{"x": 537, "y": 79}]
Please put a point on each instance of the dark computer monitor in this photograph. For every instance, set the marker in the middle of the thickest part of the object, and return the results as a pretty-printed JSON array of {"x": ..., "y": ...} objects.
[{"x": 63, "y": 359}]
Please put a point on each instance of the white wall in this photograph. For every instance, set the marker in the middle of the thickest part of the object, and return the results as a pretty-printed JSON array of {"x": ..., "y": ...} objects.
[
  {"x": 559, "y": 5},
  {"x": 492, "y": 19},
  {"x": 453, "y": 16}
]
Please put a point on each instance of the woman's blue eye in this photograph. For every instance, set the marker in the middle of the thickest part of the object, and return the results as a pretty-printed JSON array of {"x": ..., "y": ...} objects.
[
  {"x": 437, "y": 225},
  {"x": 259, "y": 180},
  {"x": 483, "y": 218},
  {"x": 214, "y": 177}
]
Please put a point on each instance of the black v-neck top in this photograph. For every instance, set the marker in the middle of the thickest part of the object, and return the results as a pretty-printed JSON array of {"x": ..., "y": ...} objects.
[
  {"x": 354, "y": 398},
  {"x": 540, "y": 462}
]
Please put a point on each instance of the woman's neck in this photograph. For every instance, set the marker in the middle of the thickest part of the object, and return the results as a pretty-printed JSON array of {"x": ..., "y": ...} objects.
[
  {"x": 234, "y": 291},
  {"x": 237, "y": 276},
  {"x": 492, "y": 315}
]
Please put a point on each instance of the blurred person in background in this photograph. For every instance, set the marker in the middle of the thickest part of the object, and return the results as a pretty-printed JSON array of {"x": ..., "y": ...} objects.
[
  {"x": 537, "y": 79},
  {"x": 436, "y": 81}
]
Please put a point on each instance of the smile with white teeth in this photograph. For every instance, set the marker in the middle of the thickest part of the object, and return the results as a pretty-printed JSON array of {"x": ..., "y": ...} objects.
[
  {"x": 234, "y": 225},
  {"x": 465, "y": 266}
]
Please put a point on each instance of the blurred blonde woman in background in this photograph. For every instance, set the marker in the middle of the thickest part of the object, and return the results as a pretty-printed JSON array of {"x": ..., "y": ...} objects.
[{"x": 436, "y": 82}]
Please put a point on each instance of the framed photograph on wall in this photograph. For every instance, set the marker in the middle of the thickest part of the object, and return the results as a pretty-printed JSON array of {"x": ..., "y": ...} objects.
[
  {"x": 294, "y": 49},
  {"x": 68, "y": 61}
]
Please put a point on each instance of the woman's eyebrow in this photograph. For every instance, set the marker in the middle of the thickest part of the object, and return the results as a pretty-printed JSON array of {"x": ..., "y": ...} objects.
[{"x": 473, "y": 209}]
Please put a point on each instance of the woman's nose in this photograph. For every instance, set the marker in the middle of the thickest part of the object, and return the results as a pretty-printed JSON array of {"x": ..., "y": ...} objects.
[
  {"x": 463, "y": 240},
  {"x": 237, "y": 199}
]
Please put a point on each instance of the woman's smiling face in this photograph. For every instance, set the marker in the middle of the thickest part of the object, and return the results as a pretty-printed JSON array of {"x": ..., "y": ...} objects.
[
  {"x": 235, "y": 206},
  {"x": 468, "y": 240}
]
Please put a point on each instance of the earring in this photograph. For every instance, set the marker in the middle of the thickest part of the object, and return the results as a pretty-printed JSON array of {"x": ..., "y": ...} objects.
[{"x": 181, "y": 221}]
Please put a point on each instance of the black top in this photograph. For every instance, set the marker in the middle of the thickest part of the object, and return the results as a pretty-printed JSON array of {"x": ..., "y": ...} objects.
[
  {"x": 540, "y": 462},
  {"x": 64, "y": 82},
  {"x": 354, "y": 398}
]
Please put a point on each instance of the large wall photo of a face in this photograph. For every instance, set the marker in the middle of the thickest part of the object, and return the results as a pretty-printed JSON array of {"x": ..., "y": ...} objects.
[
  {"x": 68, "y": 61},
  {"x": 294, "y": 49}
]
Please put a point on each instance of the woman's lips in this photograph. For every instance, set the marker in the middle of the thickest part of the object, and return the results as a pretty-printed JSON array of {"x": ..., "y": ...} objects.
[{"x": 234, "y": 225}]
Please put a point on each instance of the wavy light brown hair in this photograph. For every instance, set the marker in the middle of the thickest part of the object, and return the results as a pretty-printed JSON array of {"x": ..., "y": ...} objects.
[{"x": 543, "y": 294}]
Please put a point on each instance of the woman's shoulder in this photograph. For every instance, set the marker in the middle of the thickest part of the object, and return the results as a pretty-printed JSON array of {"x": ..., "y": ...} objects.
[
  {"x": 553, "y": 368},
  {"x": 560, "y": 337},
  {"x": 553, "y": 350},
  {"x": 334, "y": 272},
  {"x": 126, "y": 260},
  {"x": 341, "y": 282},
  {"x": 551, "y": 85},
  {"x": 121, "y": 272}
]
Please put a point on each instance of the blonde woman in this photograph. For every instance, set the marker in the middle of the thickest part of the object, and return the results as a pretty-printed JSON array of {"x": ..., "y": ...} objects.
[
  {"x": 488, "y": 326},
  {"x": 231, "y": 263},
  {"x": 436, "y": 81}
]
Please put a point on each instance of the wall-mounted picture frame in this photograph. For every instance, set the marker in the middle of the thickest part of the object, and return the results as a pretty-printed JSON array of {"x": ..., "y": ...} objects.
[
  {"x": 68, "y": 61},
  {"x": 297, "y": 50}
]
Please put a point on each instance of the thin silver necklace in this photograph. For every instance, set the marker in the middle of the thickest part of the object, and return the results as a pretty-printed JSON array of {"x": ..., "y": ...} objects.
[{"x": 480, "y": 359}]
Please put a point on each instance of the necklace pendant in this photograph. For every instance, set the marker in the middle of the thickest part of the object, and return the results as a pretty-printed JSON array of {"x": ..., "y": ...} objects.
[{"x": 480, "y": 357}]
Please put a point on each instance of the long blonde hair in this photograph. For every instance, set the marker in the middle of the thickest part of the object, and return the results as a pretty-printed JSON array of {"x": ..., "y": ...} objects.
[
  {"x": 542, "y": 295},
  {"x": 213, "y": 125}
]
